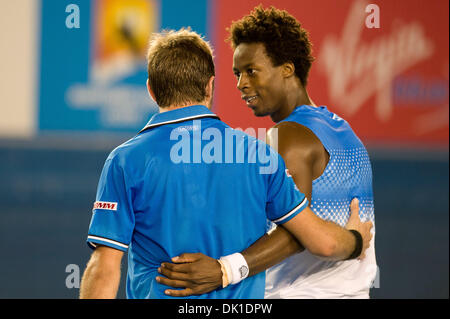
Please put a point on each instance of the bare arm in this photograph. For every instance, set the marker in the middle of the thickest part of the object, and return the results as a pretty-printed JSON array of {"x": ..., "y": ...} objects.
[
  {"x": 320, "y": 237},
  {"x": 102, "y": 275}
]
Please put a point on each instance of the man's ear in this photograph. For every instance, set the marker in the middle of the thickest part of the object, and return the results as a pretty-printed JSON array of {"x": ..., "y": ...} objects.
[
  {"x": 209, "y": 92},
  {"x": 288, "y": 69},
  {"x": 150, "y": 92},
  {"x": 210, "y": 87}
]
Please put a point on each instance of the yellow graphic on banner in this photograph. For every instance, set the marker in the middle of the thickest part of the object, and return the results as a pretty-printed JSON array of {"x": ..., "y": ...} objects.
[{"x": 122, "y": 30}]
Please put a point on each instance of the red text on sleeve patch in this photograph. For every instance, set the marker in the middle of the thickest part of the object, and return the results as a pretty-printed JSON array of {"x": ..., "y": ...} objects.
[{"x": 105, "y": 205}]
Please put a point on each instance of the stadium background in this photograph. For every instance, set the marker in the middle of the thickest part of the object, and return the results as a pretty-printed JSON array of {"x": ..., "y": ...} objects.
[{"x": 69, "y": 95}]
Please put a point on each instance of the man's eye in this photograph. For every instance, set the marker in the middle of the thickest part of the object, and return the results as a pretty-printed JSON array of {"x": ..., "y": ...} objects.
[{"x": 250, "y": 71}]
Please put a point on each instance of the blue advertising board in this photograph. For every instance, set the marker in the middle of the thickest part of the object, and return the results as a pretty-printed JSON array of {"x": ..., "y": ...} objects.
[{"x": 92, "y": 60}]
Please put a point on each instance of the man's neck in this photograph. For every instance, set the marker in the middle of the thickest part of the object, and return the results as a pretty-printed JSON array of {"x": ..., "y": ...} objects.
[
  {"x": 295, "y": 96},
  {"x": 175, "y": 107}
]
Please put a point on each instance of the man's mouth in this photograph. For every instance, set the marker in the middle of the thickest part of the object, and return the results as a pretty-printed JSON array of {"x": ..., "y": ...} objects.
[{"x": 250, "y": 99}]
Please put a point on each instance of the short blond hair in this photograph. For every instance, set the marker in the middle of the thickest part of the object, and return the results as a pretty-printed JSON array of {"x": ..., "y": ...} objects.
[{"x": 180, "y": 65}]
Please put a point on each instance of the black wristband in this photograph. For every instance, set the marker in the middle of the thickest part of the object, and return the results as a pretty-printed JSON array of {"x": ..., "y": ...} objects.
[{"x": 358, "y": 245}]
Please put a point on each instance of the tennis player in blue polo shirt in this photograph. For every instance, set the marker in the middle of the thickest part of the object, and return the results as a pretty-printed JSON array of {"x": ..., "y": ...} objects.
[
  {"x": 162, "y": 208},
  {"x": 186, "y": 183}
]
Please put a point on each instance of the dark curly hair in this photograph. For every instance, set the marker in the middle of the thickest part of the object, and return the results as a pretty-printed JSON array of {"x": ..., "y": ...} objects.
[{"x": 282, "y": 35}]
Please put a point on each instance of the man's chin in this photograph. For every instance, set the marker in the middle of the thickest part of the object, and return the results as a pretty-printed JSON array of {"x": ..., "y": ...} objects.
[{"x": 259, "y": 113}]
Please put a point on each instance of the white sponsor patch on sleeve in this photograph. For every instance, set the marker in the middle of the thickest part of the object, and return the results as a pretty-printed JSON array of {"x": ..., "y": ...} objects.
[{"x": 105, "y": 205}]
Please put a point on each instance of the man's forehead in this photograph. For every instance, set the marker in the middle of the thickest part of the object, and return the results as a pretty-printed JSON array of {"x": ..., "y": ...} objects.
[{"x": 246, "y": 54}]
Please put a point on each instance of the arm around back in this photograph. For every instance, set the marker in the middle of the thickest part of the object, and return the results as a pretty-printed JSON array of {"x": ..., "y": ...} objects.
[{"x": 326, "y": 239}]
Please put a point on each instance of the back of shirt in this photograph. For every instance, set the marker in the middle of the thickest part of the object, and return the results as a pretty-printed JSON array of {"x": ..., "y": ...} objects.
[
  {"x": 347, "y": 175},
  {"x": 190, "y": 186}
]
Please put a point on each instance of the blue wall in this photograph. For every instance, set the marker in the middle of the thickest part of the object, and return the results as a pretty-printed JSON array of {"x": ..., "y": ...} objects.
[
  {"x": 412, "y": 240},
  {"x": 47, "y": 191}
]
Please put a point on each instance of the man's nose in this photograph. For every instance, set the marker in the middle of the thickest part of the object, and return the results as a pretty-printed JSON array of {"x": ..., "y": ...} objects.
[{"x": 242, "y": 83}]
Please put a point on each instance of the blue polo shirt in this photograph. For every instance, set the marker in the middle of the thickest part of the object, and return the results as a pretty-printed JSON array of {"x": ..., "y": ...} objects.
[{"x": 190, "y": 183}]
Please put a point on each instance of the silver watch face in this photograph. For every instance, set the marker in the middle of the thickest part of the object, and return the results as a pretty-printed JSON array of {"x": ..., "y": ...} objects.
[{"x": 244, "y": 271}]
